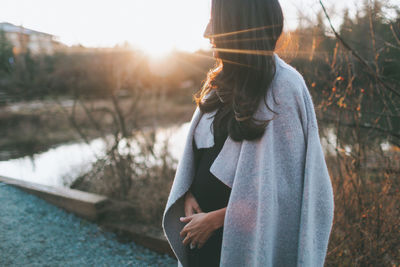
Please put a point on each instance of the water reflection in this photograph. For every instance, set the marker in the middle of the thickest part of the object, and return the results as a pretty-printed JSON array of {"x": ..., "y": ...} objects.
[
  {"x": 61, "y": 165},
  {"x": 48, "y": 167}
]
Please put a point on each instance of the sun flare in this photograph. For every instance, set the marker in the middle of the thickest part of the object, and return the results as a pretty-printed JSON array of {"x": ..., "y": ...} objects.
[
  {"x": 157, "y": 52},
  {"x": 169, "y": 25}
]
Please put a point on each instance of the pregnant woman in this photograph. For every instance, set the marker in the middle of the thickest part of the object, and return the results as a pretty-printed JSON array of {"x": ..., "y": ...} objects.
[{"x": 252, "y": 187}]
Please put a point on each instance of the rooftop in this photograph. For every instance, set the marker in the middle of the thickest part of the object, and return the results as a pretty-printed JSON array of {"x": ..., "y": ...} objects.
[{"x": 9, "y": 27}]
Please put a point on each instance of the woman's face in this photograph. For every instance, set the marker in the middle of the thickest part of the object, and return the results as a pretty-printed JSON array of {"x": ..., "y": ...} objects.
[
  {"x": 208, "y": 30},
  {"x": 208, "y": 34}
]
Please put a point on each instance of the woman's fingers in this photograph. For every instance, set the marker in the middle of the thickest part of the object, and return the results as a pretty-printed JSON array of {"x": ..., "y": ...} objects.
[
  {"x": 183, "y": 232},
  {"x": 187, "y": 218},
  {"x": 196, "y": 206},
  {"x": 185, "y": 229},
  {"x": 194, "y": 210},
  {"x": 199, "y": 244},
  {"x": 187, "y": 239},
  {"x": 191, "y": 205},
  {"x": 198, "y": 209},
  {"x": 188, "y": 211},
  {"x": 191, "y": 240}
]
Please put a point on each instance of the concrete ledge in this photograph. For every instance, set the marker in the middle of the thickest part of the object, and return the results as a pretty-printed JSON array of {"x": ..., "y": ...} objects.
[
  {"x": 150, "y": 238},
  {"x": 83, "y": 204}
]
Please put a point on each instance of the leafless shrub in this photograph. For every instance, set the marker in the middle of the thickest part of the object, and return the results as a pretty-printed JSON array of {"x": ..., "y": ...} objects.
[{"x": 350, "y": 74}]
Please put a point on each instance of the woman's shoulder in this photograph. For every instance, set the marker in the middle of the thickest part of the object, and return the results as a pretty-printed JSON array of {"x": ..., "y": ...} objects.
[
  {"x": 291, "y": 92},
  {"x": 287, "y": 79},
  {"x": 288, "y": 95}
]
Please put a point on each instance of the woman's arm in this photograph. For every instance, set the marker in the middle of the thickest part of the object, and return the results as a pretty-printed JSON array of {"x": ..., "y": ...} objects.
[{"x": 217, "y": 217}]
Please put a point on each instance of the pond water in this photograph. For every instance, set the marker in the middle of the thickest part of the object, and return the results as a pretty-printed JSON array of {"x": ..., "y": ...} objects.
[{"x": 59, "y": 166}]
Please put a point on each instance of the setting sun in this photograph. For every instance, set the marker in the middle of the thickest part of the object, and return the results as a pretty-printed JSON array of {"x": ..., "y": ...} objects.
[{"x": 168, "y": 25}]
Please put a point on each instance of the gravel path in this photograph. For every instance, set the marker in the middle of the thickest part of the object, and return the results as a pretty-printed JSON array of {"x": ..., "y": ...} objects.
[{"x": 36, "y": 233}]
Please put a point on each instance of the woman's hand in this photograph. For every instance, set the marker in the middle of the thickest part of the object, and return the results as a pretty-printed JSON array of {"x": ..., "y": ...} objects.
[
  {"x": 201, "y": 226},
  {"x": 191, "y": 205},
  {"x": 198, "y": 229}
]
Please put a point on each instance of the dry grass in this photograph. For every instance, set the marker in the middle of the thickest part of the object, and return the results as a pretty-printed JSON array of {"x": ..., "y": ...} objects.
[
  {"x": 367, "y": 211},
  {"x": 140, "y": 200}
]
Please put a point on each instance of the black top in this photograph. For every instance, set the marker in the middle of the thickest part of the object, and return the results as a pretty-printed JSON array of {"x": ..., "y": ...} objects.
[{"x": 211, "y": 194}]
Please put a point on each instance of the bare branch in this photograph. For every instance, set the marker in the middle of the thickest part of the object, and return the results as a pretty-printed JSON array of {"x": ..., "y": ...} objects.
[{"x": 360, "y": 59}]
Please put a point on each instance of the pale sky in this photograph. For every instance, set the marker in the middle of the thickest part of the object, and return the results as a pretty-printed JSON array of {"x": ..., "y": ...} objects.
[{"x": 156, "y": 26}]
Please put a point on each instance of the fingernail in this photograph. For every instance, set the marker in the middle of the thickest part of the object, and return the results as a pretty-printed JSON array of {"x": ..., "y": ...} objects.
[{"x": 181, "y": 218}]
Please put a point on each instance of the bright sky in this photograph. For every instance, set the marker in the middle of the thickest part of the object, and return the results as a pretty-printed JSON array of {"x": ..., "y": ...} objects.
[{"x": 156, "y": 26}]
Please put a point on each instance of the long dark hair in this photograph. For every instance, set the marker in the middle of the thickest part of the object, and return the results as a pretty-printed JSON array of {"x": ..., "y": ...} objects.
[{"x": 244, "y": 33}]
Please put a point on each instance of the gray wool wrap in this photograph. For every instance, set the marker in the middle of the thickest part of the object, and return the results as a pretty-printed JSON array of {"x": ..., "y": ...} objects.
[{"x": 280, "y": 211}]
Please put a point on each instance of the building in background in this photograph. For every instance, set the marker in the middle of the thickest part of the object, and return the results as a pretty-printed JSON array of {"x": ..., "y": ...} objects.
[{"x": 23, "y": 39}]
